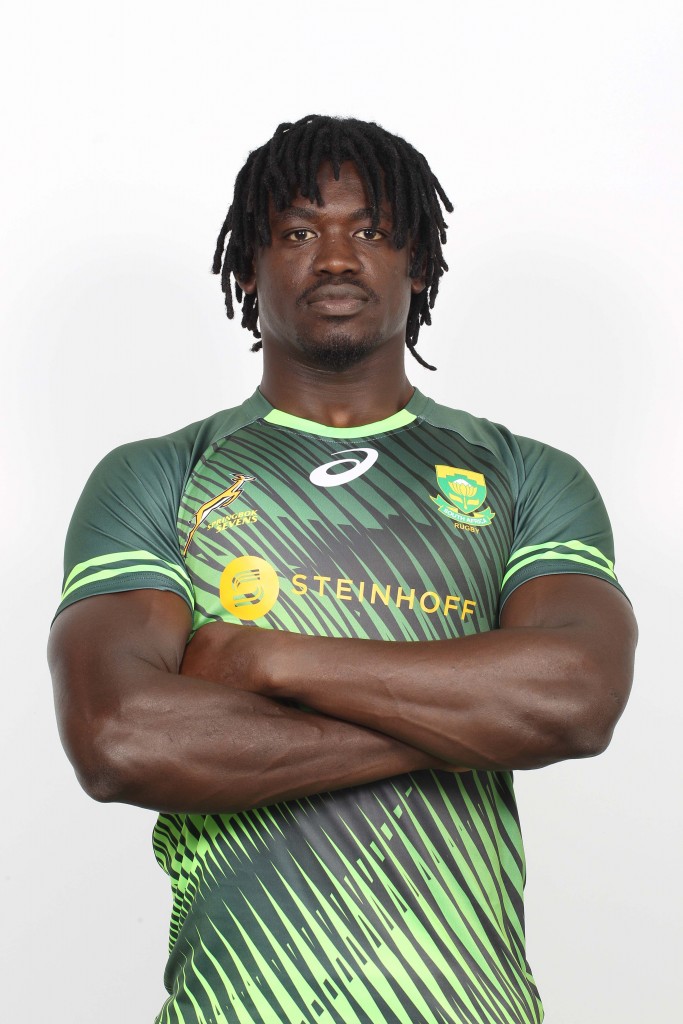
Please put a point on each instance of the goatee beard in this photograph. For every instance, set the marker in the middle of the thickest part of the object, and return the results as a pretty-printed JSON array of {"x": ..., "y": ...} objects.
[{"x": 337, "y": 352}]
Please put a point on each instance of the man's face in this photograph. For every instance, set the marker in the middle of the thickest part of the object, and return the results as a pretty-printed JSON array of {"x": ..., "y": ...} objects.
[{"x": 330, "y": 288}]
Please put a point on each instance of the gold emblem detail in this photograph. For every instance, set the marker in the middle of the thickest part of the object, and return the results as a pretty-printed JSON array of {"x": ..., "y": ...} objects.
[{"x": 221, "y": 500}]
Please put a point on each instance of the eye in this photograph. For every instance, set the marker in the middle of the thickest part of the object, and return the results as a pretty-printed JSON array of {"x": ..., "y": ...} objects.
[
  {"x": 300, "y": 235},
  {"x": 370, "y": 234}
]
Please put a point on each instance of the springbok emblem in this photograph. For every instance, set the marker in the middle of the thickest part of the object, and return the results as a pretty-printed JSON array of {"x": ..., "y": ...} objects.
[{"x": 222, "y": 500}]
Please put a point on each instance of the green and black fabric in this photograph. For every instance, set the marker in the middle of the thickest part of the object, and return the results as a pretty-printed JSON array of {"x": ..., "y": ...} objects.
[{"x": 399, "y": 901}]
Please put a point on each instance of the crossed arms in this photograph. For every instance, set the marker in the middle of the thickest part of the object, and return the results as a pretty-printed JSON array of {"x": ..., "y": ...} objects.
[{"x": 213, "y": 727}]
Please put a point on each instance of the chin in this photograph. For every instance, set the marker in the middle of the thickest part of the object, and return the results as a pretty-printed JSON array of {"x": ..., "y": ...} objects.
[{"x": 337, "y": 351}]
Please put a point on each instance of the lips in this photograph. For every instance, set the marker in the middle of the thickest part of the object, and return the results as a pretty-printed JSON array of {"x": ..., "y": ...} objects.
[{"x": 338, "y": 300}]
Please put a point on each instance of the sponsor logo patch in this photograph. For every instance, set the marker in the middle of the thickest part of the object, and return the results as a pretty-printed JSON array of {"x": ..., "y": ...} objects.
[
  {"x": 325, "y": 476},
  {"x": 249, "y": 587}
]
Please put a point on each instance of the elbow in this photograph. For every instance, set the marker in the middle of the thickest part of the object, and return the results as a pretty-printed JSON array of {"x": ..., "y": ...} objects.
[
  {"x": 101, "y": 783},
  {"x": 565, "y": 735},
  {"x": 602, "y": 680},
  {"x": 577, "y": 709},
  {"x": 96, "y": 759},
  {"x": 587, "y": 739},
  {"x": 598, "y": 704}
]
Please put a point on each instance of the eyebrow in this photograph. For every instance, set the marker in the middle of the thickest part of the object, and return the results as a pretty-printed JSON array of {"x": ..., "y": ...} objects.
[{"x": 312, "y": 214}]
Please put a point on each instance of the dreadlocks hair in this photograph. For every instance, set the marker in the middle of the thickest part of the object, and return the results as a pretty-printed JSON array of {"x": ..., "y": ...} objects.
[{"x": 288, "y": 164}]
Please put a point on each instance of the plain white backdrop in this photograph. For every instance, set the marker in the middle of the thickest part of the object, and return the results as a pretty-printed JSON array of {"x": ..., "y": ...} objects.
[{"x": 557, "y": 130}]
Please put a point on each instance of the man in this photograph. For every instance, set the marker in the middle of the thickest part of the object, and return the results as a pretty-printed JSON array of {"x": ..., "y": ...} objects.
[{"x": 337, "y": 812}]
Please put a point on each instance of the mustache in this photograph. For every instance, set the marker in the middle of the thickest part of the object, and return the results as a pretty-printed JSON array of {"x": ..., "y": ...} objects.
[{"x": 337, "y": 282}]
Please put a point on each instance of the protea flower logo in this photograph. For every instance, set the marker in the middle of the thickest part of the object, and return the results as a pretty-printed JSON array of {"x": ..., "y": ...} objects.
[{"x": 466, "y": 491}]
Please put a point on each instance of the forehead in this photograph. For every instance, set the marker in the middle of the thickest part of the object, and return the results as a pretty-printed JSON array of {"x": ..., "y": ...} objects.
[
  {"x": 350, "y": 181},
  {"x": 347, "y": 194}
]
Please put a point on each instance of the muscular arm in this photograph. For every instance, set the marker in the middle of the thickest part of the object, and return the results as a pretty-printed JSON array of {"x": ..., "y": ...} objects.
[
  {"x": 137, "y": 731},
  {"x": 548, "y": 685}
]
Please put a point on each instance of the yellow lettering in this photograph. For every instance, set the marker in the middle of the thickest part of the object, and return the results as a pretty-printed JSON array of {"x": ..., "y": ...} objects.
[
  {"x": 466, "y": 526},
  {"x": 323, "y": 580},
  {"x": 376, "y": 592},
  {"x": 437, "y": 601},
  {"x": 400, "y": 596},
  {"x": 430, "y": 602},
  {"x": 298, "y": 582}
]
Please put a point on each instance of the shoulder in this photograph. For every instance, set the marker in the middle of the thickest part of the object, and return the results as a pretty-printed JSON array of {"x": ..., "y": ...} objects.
[
  {"x": 558, "y": 521},
  {"x": 521, "y": 457},
  {"x": 169, "y": 459},
  {"x": 123, "y": 531}
]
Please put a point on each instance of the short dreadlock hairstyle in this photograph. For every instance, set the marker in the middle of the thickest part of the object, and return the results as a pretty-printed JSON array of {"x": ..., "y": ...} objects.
[{"x": 288, "y": 164}]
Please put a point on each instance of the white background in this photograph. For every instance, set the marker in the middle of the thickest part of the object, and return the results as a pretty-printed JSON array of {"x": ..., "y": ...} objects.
[{"x": 556, "y": 129}]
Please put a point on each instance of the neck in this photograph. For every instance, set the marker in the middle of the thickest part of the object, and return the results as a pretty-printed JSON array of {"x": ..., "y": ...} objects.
[{"x": 371, "y": 390}]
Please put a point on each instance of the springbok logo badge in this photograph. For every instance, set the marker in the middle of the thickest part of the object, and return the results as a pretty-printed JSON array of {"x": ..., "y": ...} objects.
[
  {"x": 222, "y": 500},
  {"x": 467, "y": 492}
]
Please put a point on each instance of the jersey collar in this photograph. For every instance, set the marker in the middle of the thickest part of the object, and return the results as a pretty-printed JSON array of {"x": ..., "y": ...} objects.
[{"x": 402, "y": 418}]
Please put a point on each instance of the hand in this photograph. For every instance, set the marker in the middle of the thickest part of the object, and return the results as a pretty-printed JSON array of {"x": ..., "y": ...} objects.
[{"x": 223, "y": 653}]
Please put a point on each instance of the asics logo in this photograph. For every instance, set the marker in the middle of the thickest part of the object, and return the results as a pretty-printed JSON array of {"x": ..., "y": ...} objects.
[{"x": 325, "y": 476}]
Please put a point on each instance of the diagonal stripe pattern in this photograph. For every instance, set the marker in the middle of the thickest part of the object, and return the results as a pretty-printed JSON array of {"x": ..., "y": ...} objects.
[{"x": 397, "y": 902}]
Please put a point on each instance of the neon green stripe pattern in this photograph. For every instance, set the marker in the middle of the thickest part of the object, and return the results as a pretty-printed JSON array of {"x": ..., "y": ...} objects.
[
  {"x": 583, "y": 557},
  {"x": 96, "y": 573},
  {"x": 399, "y": 901}
]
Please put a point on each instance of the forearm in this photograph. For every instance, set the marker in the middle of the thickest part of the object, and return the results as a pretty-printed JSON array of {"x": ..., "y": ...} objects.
[
  {"x": 514, "y": 698},
  {"x": 549, "y": 684},
  {"x": 140, "y": 727},
  {"x": 182, "y": 744},
  {"x": 504, "y": 699}
]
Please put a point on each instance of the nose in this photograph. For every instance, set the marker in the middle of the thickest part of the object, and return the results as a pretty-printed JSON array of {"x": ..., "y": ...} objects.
[{"x": 336, "y": 254}]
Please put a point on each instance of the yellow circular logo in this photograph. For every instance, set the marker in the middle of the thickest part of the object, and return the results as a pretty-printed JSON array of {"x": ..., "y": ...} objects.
[{"x": 249, "y": 587}]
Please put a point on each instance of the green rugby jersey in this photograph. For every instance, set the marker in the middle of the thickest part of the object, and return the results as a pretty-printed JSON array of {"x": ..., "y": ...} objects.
[{"x": 397, "y": 901}]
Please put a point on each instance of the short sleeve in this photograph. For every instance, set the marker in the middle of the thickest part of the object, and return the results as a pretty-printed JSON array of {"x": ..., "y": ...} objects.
[
  {"x": 561, "y": 524},
  {"x": 123, "y": 533}
]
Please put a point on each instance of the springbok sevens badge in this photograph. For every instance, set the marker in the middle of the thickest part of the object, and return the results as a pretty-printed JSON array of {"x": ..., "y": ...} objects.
[{"x": 466, "y": 493}]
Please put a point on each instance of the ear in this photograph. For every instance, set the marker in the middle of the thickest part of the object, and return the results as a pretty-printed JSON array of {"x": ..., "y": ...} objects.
[
  {"x": 417, "y": 284},
  {"x": 248, "y": 284}
]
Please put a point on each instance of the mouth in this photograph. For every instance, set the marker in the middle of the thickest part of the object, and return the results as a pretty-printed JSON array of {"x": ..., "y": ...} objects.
[{"x": 337, "y": 300}]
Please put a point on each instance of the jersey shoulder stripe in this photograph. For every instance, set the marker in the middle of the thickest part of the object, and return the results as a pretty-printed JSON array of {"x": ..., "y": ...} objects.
[{"x": 121, "y": 564}]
